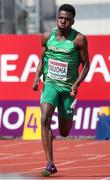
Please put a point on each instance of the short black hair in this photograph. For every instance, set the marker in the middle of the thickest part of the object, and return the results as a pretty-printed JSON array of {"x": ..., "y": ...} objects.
[{"x": 68, "y": 7}]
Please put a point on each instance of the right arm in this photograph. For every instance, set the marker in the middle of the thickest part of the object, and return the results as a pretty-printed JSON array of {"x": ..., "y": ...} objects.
[
  {"x": 82, "y": 44},
  {"x": 39, "y": 70}
]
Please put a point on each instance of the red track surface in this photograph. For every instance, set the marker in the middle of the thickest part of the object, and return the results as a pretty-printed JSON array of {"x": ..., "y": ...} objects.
[{"x": 75, "y": 159}]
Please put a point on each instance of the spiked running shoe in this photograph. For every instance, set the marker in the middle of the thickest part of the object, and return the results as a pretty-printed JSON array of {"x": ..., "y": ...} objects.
[{"x": 50, "y": 169}]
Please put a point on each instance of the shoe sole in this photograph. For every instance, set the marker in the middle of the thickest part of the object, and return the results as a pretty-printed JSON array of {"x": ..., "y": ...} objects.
[{"x": 46, "y": 173}]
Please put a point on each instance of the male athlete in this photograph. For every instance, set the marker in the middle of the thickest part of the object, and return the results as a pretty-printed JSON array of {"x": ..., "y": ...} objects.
[{"x": 64, "y": 49}]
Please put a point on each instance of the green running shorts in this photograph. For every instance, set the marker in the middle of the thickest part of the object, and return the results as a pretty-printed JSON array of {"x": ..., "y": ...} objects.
[{"x": 58, "y": 97}]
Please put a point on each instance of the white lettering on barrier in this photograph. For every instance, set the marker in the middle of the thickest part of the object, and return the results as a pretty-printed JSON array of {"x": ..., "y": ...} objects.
[
  {"x": 5, "y": 120},
  {"x": 98, "y": 65},
  {"x": 28, "y": 67},
  {"x": 84, "y": 118},
  {"x": 88, "y": 116},
  {"x": 94, "y": 118},
  {"x": 1, "y": 111},
  {"x": 5, "y": 68},
  {"x": 78, "y": 118},
  {"x": 8, "y": 67}
]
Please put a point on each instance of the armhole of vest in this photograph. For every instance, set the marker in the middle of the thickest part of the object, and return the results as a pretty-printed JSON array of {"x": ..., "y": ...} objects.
[
  {"x": 53, "y": 31},
  {"x": 74, "y": 34},
  {"x": 48, "y": 38}
]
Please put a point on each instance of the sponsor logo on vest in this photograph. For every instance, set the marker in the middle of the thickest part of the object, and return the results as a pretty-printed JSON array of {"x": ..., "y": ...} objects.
[{"x": 54, "y": 48}]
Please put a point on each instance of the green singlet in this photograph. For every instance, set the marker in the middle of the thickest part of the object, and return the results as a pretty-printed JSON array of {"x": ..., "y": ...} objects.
[
  {"x": 61, "y": 63},
  {"x": 62, "y": 59}
]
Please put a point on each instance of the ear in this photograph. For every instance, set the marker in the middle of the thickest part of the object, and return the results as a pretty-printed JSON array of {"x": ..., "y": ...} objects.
[{"x": 73, "y": 21}]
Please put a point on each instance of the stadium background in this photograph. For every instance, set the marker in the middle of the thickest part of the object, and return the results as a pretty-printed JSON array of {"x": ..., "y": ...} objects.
[{"x": 21, "y": 22}]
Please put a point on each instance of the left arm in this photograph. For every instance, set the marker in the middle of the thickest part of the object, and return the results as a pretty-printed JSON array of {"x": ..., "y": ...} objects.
[
  {"x": 82, "y": 45},
  {"x": 40, "y": 66}
]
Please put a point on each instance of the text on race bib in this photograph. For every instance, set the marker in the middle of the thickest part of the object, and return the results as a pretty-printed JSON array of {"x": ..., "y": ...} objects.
[{"x": 57, "y": 70}]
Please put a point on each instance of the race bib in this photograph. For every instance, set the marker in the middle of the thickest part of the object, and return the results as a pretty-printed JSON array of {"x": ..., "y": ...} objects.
[{"x": 57, "y": 70}]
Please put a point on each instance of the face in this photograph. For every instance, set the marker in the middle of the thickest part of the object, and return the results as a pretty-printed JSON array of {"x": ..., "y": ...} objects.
[{"x": 65, "y": 21}]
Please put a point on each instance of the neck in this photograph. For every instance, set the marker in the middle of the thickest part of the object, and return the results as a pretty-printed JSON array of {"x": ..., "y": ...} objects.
[{"x": 63, "y": 33}]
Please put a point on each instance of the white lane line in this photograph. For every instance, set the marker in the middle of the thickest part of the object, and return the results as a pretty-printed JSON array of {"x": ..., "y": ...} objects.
[
  {"x": 11, "y": 156},
  {"x": 17, "y": 155},
  {"x": 65, "y": 163},
  {"x": 26, "y": 153},
  {"x": 27, "y": 163},
  {"x": 84, "y": 167},
  {"x": 62, "y": 148},
  {"x": 37, "y": 170},
  {"x": 60, "y": 164},
  {"x": 87, "y": 144},
  {"x": 21, "y": 164},
  {"x": 20, "y": 143},
  {"x": 95, "y": 156}
]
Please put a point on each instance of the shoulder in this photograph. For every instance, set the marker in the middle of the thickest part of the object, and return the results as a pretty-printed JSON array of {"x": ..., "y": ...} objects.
[
  {"x": 45, "y": 37},
  {"x": 80, "y": 39}
]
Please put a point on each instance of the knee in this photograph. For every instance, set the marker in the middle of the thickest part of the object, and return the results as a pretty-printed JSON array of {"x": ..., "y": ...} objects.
[
  {"x": 45, "y": 120},
  {"x": 64, "y": 134}
]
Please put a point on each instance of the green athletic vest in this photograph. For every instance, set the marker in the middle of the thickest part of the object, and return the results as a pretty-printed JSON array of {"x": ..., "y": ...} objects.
[{"x": 62, "y": 60}]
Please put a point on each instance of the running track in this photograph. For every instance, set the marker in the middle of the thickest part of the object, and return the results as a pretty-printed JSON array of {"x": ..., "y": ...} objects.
[{"x": 75, "y": 159}]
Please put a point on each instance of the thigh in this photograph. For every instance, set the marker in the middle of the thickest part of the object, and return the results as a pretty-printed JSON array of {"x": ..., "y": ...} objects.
[
  {"x": 65, "y": 113},
  {"x": 47, "y": 111},
  {"x": 49, "y": 95},
  {"x": 49, "y": 100},
  {"x": 64, "y": 106}
]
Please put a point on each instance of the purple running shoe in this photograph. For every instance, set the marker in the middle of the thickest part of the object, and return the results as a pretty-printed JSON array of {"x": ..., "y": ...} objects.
[{"x": 50, "y": 169}]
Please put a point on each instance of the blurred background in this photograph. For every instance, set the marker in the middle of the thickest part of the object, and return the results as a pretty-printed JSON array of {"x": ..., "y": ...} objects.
[
  {"x": 21, "y": 25},
  {"x": 34, "y": 16}
]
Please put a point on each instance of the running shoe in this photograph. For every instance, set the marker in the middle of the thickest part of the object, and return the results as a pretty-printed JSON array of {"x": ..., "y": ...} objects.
[{"x": 50, "y": 169}]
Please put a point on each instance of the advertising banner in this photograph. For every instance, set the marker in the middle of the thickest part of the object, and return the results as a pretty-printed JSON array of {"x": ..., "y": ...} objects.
[{"x": 19, "y": 57}]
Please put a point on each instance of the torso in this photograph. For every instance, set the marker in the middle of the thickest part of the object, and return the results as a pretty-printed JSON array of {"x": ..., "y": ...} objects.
[{"x": 62, "y": 59}]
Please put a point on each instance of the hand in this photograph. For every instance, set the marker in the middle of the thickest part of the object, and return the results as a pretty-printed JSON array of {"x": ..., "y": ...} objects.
[
  {"x": 35, "y": 87},
  {"x": 36, "y": 84},
  {"x": 74, "y": 90}
]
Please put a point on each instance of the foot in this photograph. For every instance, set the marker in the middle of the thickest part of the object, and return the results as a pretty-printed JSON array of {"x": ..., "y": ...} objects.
[{"x": 50, "y": 169}]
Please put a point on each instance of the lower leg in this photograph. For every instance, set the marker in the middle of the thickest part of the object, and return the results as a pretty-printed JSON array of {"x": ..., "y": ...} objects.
[
  {"x": 47, "y": 140},
  {"x": 65, "y": 126}
]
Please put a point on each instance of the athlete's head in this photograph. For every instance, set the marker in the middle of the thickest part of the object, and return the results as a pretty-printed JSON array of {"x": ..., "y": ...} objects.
[
  {"x": 65, "y": 19},
  {"x": 69, "y": 8}
]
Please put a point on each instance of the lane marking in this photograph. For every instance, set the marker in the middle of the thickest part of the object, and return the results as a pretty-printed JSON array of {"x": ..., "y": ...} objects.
[
  {"x": 20, "y": 143},
  {"x": 88, "y": 143},
  {"x": 83, "y": 167},
  {"x": 94, "y": 156},
  {"x": 62, "y": 148},
  {"x": 17, "y": 164}
]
